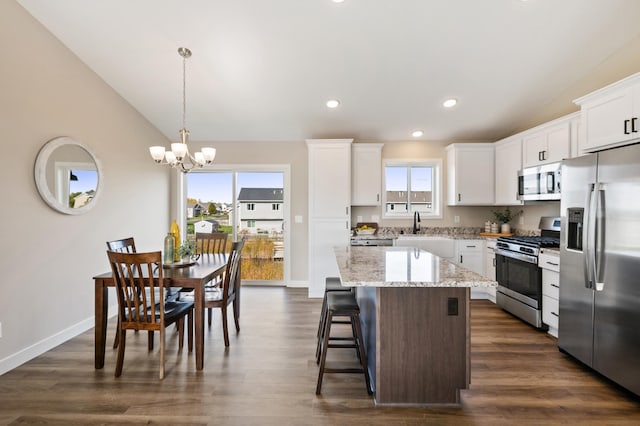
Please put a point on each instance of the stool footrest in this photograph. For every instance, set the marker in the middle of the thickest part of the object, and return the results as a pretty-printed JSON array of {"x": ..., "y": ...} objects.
[{"x": 344, "y": 370}]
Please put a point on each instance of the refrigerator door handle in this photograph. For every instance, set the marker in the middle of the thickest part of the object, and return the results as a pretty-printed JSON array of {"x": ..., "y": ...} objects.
[
  {"x": 588, "y": 236},
  {"x": 599, "y": 240}
]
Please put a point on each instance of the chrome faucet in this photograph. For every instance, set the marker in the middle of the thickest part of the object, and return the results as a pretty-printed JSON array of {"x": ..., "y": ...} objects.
[{"x": 416, "y": 222}]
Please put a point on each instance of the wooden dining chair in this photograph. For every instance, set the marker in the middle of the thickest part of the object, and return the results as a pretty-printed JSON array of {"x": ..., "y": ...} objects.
[
  {"x": 211, "y": 242},
  {"x": 125, "y": 245},
  {"x": 221, "y": 297},
  {"x": 141, "y": 307}
]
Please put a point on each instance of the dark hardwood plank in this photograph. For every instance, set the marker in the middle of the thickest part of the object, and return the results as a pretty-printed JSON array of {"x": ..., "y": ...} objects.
[{"x": 267, "y": 377}]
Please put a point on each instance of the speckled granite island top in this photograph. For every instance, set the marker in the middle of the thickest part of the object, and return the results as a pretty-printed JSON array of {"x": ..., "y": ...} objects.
[{"x": 402, "y": 267}]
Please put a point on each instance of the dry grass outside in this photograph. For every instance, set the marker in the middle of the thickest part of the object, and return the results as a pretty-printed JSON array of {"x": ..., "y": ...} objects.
[{"x": 258, "y": 260}]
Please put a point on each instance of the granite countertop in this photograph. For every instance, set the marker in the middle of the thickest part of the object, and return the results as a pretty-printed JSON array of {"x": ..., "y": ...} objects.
[{"x": 402, "y": 267}]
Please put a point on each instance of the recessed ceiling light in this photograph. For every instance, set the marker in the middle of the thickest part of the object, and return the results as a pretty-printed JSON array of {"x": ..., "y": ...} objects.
[
  {"x": 333, "y": 103},
  {"x": 417, "y": 133},
  {"x": 450, "y": 103},
  {"x": 338, "y": 1}
]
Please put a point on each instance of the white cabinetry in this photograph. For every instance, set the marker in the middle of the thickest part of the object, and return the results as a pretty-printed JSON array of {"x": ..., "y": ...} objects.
[
  {"x": 550, "y": 264},
  {"x": 490, "y": 267},
  {"x": 366, "y": 174},
  {"x": 610, "y": 116},
  {"x": 470, "y": 254},
  {"x": 548, "y": 143},
  {"x": 329, "y": 205},
  {"x": 470, "y": 174},
  {"x": 508, "y": 160}
]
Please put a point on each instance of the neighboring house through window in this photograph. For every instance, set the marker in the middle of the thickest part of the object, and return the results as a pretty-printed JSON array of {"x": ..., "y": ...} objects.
[{"x": 412, "y": 186}]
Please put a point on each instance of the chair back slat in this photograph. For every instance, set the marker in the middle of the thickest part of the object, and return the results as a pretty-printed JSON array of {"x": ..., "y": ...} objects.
[
  {"x": 211, "y": 243},
  {"x": 232, "y": 269},
  {"x": 136, "y": 288}
]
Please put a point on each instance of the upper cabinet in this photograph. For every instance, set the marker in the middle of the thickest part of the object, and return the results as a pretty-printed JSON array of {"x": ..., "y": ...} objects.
[
  {"x": 548, "y": 143},
  {"x": 508, "y": 163},
  {"x": 366, "y": 174},
  {"x": 610, "y": 115},
  {"x": 470, "y": 174}
]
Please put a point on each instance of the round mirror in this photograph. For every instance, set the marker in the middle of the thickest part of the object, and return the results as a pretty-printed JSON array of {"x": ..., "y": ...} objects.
[{"x": 68, "y": 175}]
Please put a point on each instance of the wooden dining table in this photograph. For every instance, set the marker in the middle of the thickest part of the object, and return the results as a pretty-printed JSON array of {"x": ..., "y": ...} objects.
[{"x": 206, "y": 268}]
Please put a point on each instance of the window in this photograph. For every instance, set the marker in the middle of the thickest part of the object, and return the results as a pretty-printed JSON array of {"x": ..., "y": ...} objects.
[
  {"x": 251, "y": 206},
  {"x": 412, "y": 186},
  {"x": 251, "y": 224},
  {"x": 275, "y": 206}
]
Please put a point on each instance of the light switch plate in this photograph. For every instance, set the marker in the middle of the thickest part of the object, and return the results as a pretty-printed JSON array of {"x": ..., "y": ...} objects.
[
  {"x": 358, "y": 218},
  {"x": 375, "y": 218},
  {"x": 456, "y": 219},
  {"x": 298, "y": 219},
  {"x": 0, "y": 329},
  {"x": 521, "y": 220}
]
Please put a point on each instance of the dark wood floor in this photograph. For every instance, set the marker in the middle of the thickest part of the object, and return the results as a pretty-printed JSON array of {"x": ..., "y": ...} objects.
[{"x": 268, "y": 377}]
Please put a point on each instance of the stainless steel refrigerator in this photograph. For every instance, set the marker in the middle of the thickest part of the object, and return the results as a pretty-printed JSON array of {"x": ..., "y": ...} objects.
[{"x": 599, "y": 320}]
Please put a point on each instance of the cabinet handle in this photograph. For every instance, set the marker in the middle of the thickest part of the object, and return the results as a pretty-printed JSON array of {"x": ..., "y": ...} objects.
[
  {"x": 633, "y": 125},
  {"x": 346, "y": 209},
  {"x": 377, "y": 197},
  {"x": 539, "y": 155},
  {"x": 459, "y": 197},
  {"x": 551, "y": 263},
  {"x": 460, "y": 258},
  {"x": 544, "y": 155},
  {"x": 555, "y": 315},
  {"x": 626, "y": 127},
  {"x": 471, "y": 246},
  {"x": 555, "y": 285}
]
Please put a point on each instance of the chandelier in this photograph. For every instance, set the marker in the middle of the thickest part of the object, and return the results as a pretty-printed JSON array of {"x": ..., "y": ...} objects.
[{"x": 179, "y": 156}]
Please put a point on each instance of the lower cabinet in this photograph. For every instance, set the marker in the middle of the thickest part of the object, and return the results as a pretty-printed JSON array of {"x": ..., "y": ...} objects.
[
  {"x": 490, "y": 267},
  {"x": 470, "y": 254},
  {"x": 550, "y": 264}
]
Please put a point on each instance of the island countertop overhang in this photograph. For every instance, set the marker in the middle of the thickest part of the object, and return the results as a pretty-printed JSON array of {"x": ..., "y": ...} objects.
[{"x": 402, "y": 267}]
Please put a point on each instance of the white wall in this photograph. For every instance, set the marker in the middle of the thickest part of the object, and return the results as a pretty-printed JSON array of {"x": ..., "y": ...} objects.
[{"x": 47, "y": 258}]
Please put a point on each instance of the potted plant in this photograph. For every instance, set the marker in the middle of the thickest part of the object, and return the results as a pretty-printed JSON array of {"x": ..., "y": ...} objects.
[
  {"x": 187, "y": 250},
  {"x": 503, "y": 217}
]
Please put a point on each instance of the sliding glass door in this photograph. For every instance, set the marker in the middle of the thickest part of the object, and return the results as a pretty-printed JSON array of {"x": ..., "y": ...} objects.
[{"x": 244, "y": 202}]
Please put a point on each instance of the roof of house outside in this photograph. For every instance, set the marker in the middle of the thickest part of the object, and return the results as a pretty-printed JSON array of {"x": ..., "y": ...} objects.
[{"x": 260, "y": 194}]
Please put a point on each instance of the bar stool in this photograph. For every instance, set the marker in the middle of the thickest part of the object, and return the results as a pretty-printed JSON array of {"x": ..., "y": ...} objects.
[
  {"x": 341, "y": 304},
  {"x": 331, "y": 284}
]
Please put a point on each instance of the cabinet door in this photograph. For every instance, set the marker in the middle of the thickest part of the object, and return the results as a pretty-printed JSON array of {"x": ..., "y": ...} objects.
[
  {"x": 558, "y": 143},
  {"x": 471, "y": 255},
  {"x": 604, "y": 120},
  {"x": 470, "y": 174},
  {"x": 534, "y": 146},
  {"x": 323, "y": 236},
  {"x": 508, "y": 164},
  {"x": 490, "y": 263},
  {"x": 366, "y": 174},
  {"x": 329, "y": 180}
]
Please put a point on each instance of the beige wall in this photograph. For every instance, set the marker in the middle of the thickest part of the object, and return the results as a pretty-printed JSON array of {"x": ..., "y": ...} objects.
[{"x": 47, "y": 258}]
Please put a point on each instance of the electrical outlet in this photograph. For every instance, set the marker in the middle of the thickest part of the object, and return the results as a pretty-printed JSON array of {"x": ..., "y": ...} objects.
[
  {"x": 298, "y": 218},
  {"x": 375, "y": 218},
  {"x": 521, "y": 220},
  {"x": 456, "y": 219},
  {"x": 452, "y": 306},
  {"x": 0, "y": 329},
  {"x": 358, "y": 218}
]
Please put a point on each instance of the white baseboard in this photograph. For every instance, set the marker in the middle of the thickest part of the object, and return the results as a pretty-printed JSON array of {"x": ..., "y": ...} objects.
[
  {"x": 38, "y": 348},
  {"x": 298, "y": 284}
]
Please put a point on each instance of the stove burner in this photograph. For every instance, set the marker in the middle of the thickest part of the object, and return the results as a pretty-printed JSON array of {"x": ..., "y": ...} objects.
[{"x": 533, "y": 241}]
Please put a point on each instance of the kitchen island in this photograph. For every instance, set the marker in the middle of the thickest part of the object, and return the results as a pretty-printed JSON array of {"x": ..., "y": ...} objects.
[{"x": 414, "y": 309}]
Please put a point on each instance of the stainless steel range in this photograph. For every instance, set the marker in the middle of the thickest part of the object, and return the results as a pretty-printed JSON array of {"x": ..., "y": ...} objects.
[{"x": 518, "y": 274}]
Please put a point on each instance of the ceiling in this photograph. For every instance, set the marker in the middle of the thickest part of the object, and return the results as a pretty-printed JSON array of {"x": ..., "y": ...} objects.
[{"x": 262, "y": 70}]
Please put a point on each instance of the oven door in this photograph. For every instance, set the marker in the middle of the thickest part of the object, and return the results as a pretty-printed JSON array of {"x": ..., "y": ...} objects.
[{"x": 519, "y": 279}]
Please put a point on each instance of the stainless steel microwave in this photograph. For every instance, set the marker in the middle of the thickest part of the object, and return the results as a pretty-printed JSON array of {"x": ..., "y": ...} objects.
[{"x": 540, "y": 182}]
